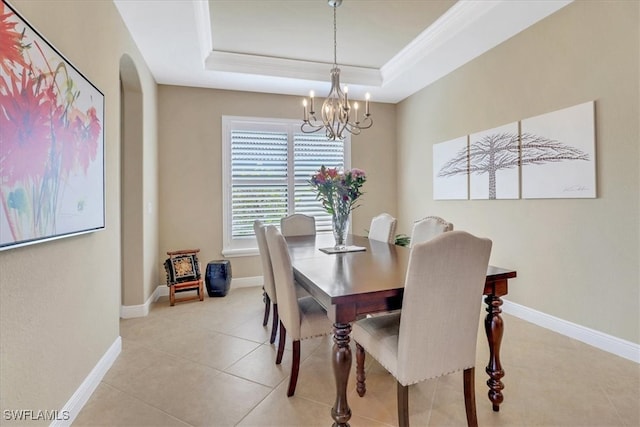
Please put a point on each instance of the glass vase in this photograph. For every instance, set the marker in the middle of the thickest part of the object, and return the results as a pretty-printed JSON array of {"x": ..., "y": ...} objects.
[{"x": 340, "y": 219}]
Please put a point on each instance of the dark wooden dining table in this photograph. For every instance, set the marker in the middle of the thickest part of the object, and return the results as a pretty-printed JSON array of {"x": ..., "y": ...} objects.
[{"x": 353, "y": 284}]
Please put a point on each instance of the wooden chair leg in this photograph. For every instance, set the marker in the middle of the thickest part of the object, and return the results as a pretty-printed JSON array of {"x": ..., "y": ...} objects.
[
  {"x": 201, "y": 291},
  {"x": 360, "y": 376},
  {"x": 470, "y": 397},
  {"x": 295, "y": 367},
  {"x": 172, "y": 296},
  {"x": 283, "y": 338},
  {"x": 267, "y": 308},
  {"x": 274, "y": 325},
  {"x": 403, "y": 405}
]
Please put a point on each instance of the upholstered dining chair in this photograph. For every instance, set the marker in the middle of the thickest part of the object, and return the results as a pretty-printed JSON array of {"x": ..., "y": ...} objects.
[
  {"x": 435, "y": 334},
  {"x": 427, "y": 228},
  {"x": 268, "y": 281},
  {"x": 302, "y": 318},
  {"x": 298, "y": 225},
  {"x": 383, "y": 228}
]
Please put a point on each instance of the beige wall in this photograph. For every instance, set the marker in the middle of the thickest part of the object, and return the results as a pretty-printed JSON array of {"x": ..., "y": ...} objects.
[
  {"x": 576, "y": 259},
  {"x": 190, "y": 165},
  {"x": 60, "y": 300}
]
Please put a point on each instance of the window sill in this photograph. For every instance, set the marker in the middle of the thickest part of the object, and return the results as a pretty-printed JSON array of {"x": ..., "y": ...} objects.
[{"x": 234, "y": 253}]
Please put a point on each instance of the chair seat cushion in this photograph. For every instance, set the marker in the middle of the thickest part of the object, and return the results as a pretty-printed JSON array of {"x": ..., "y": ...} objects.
[
  {"x": 313, "y": 319},
  {"x": 379, "y": 335}
]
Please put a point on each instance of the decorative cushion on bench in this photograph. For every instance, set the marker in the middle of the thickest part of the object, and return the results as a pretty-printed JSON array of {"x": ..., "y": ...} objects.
[{"x": 182, "y": 268}]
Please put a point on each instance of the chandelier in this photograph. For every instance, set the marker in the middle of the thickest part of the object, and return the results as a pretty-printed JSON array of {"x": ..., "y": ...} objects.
[{"x": 336, "y": 113}]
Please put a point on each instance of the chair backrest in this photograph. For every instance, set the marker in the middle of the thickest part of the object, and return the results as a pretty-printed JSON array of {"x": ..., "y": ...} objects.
[
  {"x": 383, "y": 228},
  {"x": 298, "y": 225},
  {"x": 441, "y": 306},
  {"x": 288, "y": 309},
  {"x": 427, "y": 228},
  {"x": 265, "y": 259}
]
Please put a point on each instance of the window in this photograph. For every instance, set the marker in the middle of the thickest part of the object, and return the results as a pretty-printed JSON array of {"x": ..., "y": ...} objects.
[{"x": 266, "y": 166}]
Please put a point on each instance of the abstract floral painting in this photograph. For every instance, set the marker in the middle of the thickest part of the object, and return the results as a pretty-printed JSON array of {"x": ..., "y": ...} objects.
[{"x": 51, "y": 140}]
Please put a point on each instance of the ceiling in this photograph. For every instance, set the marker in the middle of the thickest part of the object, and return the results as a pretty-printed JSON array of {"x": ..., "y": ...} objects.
[{"x": 390, "y": 48}]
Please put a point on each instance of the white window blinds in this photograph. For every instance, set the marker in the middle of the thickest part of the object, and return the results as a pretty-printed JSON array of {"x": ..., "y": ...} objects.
[
  {"x": 310, "y": 151},
  {"x": 267, "y": 164},
  {"x": 258, "y": 179}
]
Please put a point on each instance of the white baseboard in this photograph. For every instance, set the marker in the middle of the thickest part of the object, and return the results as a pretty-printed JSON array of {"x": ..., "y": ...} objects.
[
  {"x": 89, "y": 385},
  {"x": 608, "y": 343},
  {"x": 141, "y": 310},
  {"x": 161, "y": 291},
  {"x": 247, "y": 282}
]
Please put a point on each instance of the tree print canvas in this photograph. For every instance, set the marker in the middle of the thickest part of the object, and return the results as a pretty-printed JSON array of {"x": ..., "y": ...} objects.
[
  {"x": 493, "y": 163},
  {"x": 450, "y": 182},
  {"x": 558, "y": 154},
  {"x": 51, "y": 140}
]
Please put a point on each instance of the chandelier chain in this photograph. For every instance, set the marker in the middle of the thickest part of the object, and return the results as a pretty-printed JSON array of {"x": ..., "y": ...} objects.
[{"x": 335, "y": 43}]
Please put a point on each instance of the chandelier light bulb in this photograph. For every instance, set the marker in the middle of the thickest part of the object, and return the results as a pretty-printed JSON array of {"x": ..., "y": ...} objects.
[{"x": 366, "y": 104}]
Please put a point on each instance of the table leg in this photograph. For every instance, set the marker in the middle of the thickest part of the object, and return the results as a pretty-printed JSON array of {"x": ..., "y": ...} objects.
[
  {"x": 494, "y": 328},
  {"x": 341, "y": 413},
  {"x": 361, "y": 387}
]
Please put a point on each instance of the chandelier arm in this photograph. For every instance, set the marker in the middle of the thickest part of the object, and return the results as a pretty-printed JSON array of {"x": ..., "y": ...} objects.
[
  {"x": 331, "y": 135},
  {"x": 347, "y": 127},
  {"x": 341, "y": 127},
  {"x": 314, "y": 123},
  {"x": 309, "y": 128},
  {"x": 354, "y": 130},
  {"x": 366, "y": 123}
]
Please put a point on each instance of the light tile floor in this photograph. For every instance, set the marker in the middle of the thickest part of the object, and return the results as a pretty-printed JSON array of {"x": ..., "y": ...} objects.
[{"x": 210, "y": 364}]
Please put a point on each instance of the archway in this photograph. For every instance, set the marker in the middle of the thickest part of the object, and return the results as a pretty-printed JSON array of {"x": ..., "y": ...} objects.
[{"x": 131, "y": 185}]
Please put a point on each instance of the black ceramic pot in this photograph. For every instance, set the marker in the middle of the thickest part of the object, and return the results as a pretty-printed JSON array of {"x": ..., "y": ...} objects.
[{"x": 218, "y": 278}]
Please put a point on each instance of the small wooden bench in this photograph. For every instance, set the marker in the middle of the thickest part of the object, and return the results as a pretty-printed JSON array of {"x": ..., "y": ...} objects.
[{"x": 183, "y": 274}]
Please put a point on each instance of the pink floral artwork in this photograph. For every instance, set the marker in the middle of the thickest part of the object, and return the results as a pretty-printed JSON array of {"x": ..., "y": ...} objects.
[{"x": 51, "y": 140}]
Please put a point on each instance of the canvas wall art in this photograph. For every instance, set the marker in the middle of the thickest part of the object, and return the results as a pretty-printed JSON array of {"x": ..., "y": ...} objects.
[
  {"x": 51, "y": 140},
  {"x": 493, "y": 163},
  {"x": 450, "y": 170},
  {"x": 558, "y": 154},
  {"x": 552, "y": 155}
]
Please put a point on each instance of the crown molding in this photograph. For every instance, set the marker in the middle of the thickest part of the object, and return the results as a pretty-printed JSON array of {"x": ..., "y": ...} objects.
[
  {"x": 453, "y": 22},
  {"x": 235, "y": 62},
  {"x": 289, "y": 68},
  {"x": 203, "y": 27},
  {"x": 177, "y": 43},
  {"x": 467, "y": 30}
]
